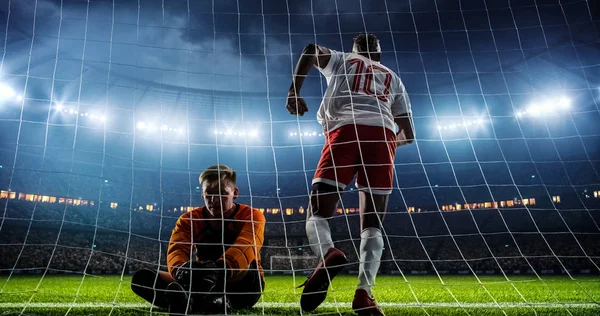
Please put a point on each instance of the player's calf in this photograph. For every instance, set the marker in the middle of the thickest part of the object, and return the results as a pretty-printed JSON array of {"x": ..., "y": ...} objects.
[
  {"x": 150, "y": 285},
  {"x": 178, "y": 299}
]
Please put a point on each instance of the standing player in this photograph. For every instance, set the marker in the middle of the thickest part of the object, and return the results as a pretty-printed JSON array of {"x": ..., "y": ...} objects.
[
  {"x": 213, "y": 255},
  {"x": 363, "y": 103}
]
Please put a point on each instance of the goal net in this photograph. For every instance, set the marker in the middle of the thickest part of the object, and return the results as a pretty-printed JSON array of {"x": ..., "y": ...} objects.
[
  {"x": 290, "y": 264},
  {"x": 110, "y": 110}
]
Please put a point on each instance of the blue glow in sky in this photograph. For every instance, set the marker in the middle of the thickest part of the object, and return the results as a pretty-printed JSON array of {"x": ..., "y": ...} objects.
[{"x": 481, "y": 75}]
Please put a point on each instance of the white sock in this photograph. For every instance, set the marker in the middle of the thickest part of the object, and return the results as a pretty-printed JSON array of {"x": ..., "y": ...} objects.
[
  {"x": 371, "y": 248},
  {"x": 319, "y": 235}
]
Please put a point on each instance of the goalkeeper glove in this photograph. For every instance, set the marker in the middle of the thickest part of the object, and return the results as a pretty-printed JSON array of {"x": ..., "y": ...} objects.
[
  {"x": 215, "y": 304},
  {"x": 200, "y": 277}
]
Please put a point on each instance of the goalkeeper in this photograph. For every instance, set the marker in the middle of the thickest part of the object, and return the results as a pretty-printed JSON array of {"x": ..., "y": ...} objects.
[
  {"x": 213, "y": 256},
  {"x": 363, "y": 104}
]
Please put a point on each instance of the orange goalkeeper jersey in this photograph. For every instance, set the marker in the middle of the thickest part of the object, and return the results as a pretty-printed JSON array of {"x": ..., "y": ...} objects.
[{"x": 238, "y": 245}]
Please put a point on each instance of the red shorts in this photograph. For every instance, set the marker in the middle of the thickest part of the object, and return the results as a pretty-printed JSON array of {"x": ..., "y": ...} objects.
[{"x": 341, "y": 158}]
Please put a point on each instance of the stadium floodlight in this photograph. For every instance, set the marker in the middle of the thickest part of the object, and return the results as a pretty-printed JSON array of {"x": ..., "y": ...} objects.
[
  {"x": 229, "y": 132},
  {"x": 534, "y": 109},
  {"x": 59, "y": 107},
  {"x": 547, "y": 108},
  {"x": 19, "y": 98},
  {"x": 564, "y": 103},
  {"x": 97, "y": 117},
  {"x": 464, "y": 124},
  {"x": 314, "y": 133},
  {"x": 291, "y": 134},
  {"x": 164, "y": 128},
  {"x": 141, "y": 125},
  {"x": 6, "y": 91},
  {"x": 180, "y": 131}
]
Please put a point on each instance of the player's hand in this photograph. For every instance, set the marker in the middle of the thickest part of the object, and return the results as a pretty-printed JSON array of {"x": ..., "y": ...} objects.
[
  {"x": 401, "y": 139},
  {"x": 185, "y": 275},
  {"x": 199, "y": 276},
  {"x": 295, "y": 104}
]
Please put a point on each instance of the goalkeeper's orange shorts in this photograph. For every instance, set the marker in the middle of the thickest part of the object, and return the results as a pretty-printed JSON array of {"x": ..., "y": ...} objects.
[{"x": 366, "y": 152}]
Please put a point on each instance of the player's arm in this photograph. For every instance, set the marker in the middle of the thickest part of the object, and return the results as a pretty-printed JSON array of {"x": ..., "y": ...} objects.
[
  {"x": 403, "y": 118},
  {"x": 406, "y": 134},
  {"x": 312, "y": 55},
  {"x": 180, "y": 244},
  {"x": 247, "y": 246},
  {"x": 200, "y": 277}
]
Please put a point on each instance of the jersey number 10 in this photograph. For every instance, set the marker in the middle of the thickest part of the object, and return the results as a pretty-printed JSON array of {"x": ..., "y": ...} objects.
[{"x": 368, "y": 73}]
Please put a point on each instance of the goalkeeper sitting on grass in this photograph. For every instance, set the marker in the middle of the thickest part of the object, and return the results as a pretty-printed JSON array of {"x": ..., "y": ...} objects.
[{"x": 213, "y": 256}]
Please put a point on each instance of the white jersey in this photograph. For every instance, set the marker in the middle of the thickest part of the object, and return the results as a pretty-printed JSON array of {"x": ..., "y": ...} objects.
[{"x": 360, "y": 91}]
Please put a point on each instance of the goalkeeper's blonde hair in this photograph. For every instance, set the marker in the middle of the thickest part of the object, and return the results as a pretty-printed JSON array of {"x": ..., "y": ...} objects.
[{"x": 217, "y": 173}]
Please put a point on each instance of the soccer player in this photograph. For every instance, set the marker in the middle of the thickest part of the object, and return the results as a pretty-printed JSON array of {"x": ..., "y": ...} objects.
[
  {"x": 365, "y": 115},
  {"x": 213, "y": 256}
]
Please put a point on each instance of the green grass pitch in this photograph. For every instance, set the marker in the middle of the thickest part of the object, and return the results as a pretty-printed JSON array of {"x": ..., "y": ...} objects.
[{"x": 419, "y": 295}]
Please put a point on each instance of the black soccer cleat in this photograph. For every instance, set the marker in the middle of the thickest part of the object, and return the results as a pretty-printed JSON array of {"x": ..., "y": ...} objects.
[
  {"x": 365, "y": 305},
  {"x": 315, "y": 287}
]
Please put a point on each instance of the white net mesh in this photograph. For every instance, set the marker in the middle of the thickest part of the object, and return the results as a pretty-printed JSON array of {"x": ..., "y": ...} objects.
[
  {"x": 290, "y": 264},
  {"x": 110, "y": 110}
]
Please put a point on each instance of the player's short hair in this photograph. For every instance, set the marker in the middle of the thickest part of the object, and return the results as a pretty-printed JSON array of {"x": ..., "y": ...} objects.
[
  {"x": 218, "y": 173},
  {"x": 366, "y": 43}
]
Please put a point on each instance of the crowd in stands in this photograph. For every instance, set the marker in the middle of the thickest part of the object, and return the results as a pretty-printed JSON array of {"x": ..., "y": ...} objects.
[{"x": 59, "y": 238}]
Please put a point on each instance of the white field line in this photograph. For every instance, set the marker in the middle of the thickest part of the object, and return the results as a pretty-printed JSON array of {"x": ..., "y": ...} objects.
[{"x": 331, "y": 305}]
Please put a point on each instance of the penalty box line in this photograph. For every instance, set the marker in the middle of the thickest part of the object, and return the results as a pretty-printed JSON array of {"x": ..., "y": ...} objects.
[{"x": 326, "y": 305}]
